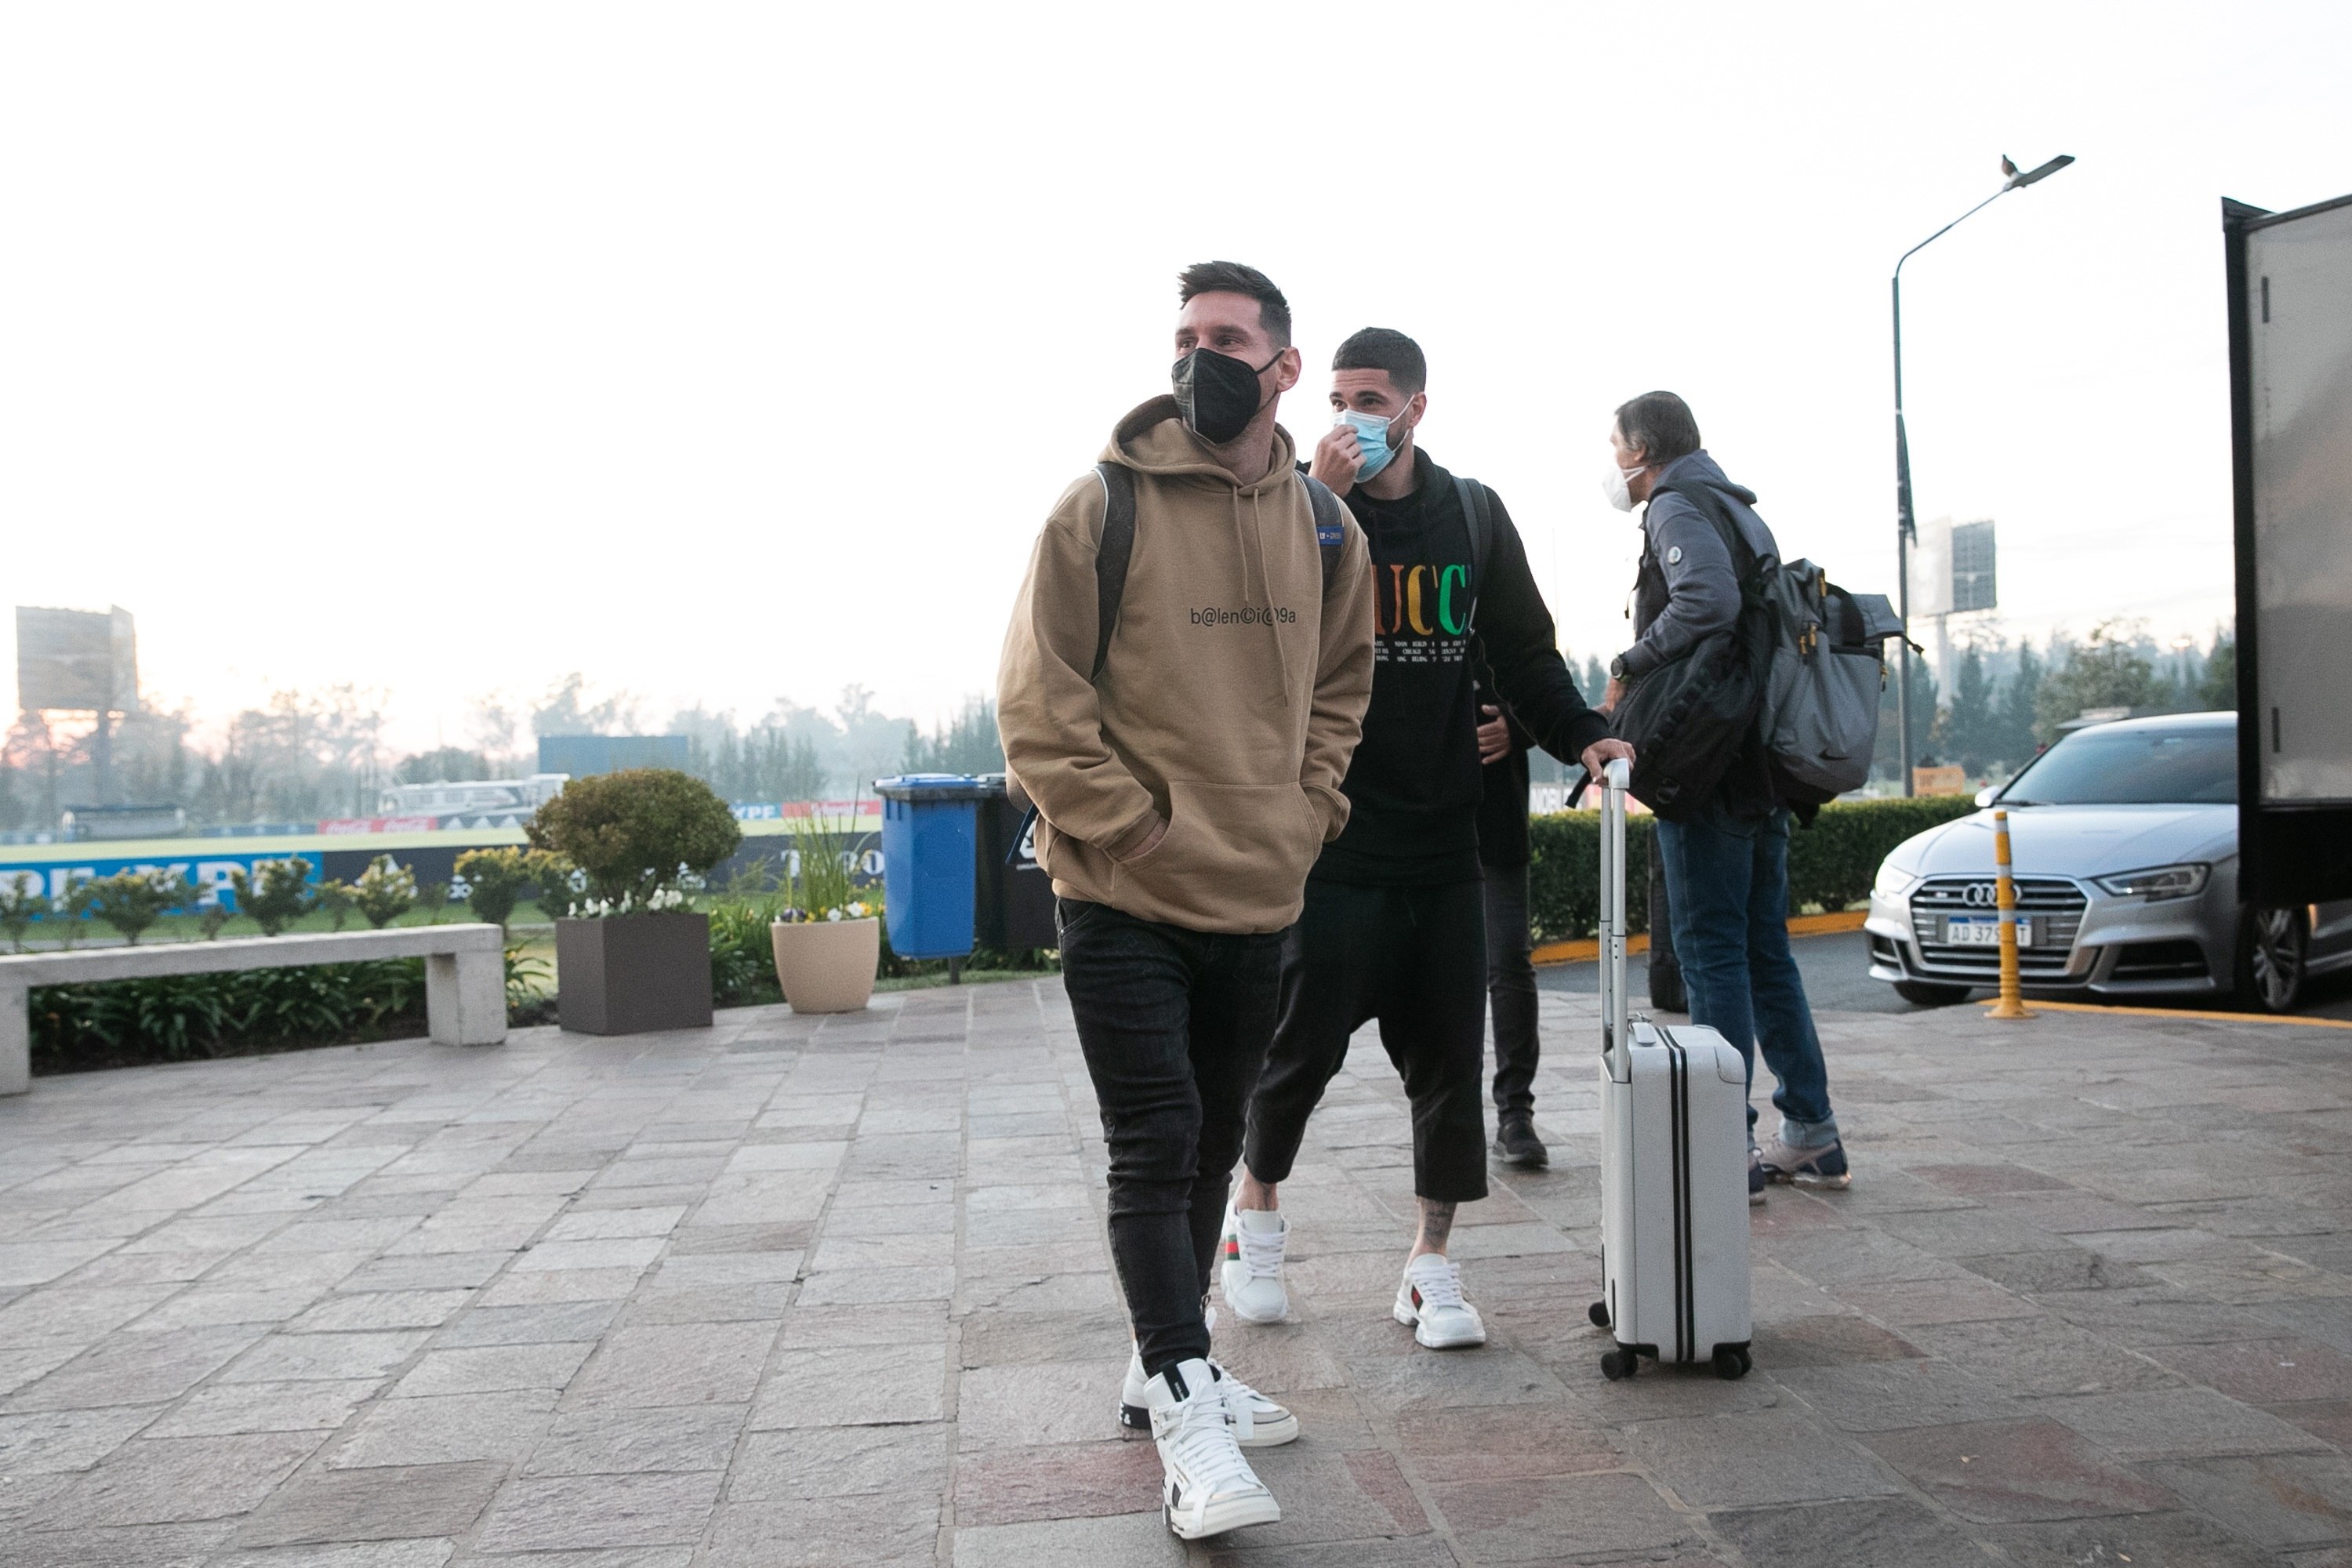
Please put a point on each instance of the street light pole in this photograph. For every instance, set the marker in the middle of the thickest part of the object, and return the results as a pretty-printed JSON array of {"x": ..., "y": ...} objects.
[{"x": 1907, "y": 527}]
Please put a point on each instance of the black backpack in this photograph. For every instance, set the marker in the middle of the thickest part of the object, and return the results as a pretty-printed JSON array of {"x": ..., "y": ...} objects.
[{"x": 1690, "y": 721}]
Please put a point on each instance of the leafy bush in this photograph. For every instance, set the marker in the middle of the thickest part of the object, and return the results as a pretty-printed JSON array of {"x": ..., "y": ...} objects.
[
  {"x": 494, "y": 880},
  {"x": 819, "y": 877},
  {"x": 384, "y": 891},
  {"x": 742, "y": 955},
  {"x": 130, "y": 901},
  {"x": 183, "y": 1018},
  {"x": 432, "y": 898},
  {"x": 636, "y": 832},
  {"x": 337, "y": 897},
  {"x": 557, "y": 882},
  {"x": 276, "y": 895},
  {"x": 1830, "y": 864},
  {"x": 21, "y": 903}
]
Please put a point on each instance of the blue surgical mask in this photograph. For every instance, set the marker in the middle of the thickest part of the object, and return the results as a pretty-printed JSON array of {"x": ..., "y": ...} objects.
[{"x": 1371, "y": 439}]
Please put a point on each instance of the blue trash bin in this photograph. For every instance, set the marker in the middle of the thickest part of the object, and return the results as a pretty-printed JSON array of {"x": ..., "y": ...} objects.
[{"x": 929, "y": 849}]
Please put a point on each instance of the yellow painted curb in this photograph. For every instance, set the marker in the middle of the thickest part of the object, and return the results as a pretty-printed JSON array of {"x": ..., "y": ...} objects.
[
  {"x": 2033, "y": 1006},
  {"x": 1802, "y": 925}
]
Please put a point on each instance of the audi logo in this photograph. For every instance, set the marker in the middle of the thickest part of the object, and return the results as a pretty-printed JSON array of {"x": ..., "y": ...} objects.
[{"x": 1981, "y": 895}]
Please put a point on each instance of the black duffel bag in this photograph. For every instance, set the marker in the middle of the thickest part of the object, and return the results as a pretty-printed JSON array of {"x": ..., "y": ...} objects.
[{"x": 1690, "y": 718}]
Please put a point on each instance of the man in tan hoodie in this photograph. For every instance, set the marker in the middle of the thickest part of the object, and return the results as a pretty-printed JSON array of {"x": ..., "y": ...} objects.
[{"x": 1181, "y": 686}]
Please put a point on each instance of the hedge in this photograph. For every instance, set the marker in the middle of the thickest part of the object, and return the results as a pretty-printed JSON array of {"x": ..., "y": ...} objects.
[
  {"x": 186, "y": 1017},
  {"x": 1830, "y": 864}
]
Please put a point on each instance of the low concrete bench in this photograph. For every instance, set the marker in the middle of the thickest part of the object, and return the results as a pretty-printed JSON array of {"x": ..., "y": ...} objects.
[{"x": 465, "y": 977}]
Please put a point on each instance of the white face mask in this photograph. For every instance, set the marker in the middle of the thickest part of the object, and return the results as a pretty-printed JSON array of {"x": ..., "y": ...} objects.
[{"x": 1617, "y": 484}]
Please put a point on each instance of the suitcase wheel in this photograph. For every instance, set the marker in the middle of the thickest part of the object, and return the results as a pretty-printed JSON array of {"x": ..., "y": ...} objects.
[
  {"x": 1618, "y": 1363},
  {"x": 1731, "y": 1363},
  {"x": 1598, "y": 1313}
]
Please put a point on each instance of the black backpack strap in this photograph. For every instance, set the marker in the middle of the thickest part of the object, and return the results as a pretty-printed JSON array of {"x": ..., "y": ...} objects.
[
  {"x": 1330, "y": 526},
  {"x": 1111, "y": 555},
  {"x": 1744, "y": 563},
  {"x": 1480, "y": 520}
]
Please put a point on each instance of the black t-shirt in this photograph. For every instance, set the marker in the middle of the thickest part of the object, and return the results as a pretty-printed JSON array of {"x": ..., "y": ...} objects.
[{"x": 1415, "y": 782}]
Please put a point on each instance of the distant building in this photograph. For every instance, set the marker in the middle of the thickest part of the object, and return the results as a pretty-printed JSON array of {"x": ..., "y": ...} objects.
[
  {"x": 582, "y": 756},
  {"x": 445, "y": 799}
]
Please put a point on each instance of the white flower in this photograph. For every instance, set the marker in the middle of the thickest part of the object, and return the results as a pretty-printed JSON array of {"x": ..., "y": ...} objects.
[{"x": 834, "y": 914}]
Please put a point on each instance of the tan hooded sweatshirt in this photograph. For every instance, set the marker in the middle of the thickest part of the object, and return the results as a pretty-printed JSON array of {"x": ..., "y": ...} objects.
[{"x": 1231, "y": 700}]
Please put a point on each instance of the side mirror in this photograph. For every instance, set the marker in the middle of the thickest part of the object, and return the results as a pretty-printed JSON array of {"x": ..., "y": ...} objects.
[{"x": 1984, "y": 796}]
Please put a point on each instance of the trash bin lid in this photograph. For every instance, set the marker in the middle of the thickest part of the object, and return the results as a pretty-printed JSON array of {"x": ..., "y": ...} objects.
[{"x": 932, "y": 788}]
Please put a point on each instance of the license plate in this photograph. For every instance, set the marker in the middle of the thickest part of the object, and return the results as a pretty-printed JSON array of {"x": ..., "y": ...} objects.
[{"x": 1983, "y": 931}]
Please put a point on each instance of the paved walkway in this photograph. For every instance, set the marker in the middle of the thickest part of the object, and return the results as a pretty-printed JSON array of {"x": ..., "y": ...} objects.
[{"x": 819, "y": 1292}]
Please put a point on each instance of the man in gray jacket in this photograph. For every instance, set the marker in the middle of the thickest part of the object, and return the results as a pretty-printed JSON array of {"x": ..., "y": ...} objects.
[{"x": 1728, "y": 867}]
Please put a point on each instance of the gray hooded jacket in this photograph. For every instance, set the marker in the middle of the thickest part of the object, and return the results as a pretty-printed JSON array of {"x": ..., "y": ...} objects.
[{"x": 1689, "y": 586}]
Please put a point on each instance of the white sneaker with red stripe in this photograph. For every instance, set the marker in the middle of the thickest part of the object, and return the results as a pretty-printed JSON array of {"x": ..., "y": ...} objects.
[
  {"x": 1249, "y": 1264},
  {"x": 1430, "y": 1302}
]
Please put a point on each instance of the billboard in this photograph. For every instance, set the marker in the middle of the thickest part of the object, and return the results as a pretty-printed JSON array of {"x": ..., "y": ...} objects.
[
  {"x": 2290, "y": 313},
  {"x": 76, "y": 660},
  {"x": 582, "y": 756},
  {"x": 1952, "y": 569}
]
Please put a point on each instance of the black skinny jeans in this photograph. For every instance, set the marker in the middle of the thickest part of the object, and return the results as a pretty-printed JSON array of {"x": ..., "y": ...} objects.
[
  {"x": 1174, "y": 1024},
  {"x": 1511, "y": 990}
]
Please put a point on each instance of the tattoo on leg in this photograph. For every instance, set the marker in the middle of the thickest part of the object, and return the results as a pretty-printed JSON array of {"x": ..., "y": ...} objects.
[{"x": 1436, "y": 1224}]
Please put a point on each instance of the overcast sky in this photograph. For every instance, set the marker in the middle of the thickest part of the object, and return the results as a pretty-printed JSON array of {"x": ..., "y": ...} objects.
[{"x": 730, "y": 354}]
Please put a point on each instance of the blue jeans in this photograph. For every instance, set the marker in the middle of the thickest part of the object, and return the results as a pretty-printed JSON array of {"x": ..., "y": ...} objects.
[{"x": 1728, "y": 883}]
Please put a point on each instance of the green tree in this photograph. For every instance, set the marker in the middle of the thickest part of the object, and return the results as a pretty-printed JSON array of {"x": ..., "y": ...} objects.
[
  {"x": 335, "y": 897},
  {"x": 275, "y": 895},
  {"x": 1969, "y": 725},
  {"x": 448, "y": 765},
  {"x": 130, "y": 901},
  {"x": 968, "y": 743},
  {"x": 21, "y": 903},
  {"x": 2012, "y": 742},
  {"x": 432, "y": 898},
  {"x": 494, "y": 880},
  {"x": 2107, "y": 671},
  {"x": 384, "y": 891},
  {"x": 638, "y": 831},
  {"x": 2220, "y": 689}
]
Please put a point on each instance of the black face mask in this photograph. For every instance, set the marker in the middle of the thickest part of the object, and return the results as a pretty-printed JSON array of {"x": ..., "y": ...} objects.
[{"x": 1218, "y": 394}]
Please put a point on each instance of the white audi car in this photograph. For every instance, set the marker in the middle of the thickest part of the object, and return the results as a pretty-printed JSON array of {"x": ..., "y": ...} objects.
[{"x": 2123, "y": 839}]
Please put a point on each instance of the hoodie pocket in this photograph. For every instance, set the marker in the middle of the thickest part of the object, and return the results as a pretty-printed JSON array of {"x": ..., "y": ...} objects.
[{"x": 1234, "y": 854}]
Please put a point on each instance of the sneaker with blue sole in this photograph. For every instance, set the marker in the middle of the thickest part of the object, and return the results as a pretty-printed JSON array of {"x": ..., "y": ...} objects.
[{"x": 1822, "y": 1167}]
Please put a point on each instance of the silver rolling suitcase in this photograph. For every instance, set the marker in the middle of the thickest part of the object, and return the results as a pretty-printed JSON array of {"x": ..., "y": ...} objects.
[{"x": 1673, "y": 1164}]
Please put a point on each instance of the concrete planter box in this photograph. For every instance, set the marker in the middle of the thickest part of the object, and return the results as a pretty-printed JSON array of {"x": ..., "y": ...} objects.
[
  {"x": 631, "y": 974},
  {"x": 827, "y": 966}
]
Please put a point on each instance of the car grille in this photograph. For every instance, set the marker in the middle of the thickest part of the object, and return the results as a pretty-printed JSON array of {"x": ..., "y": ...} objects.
[
  {"x": 2160, "y": 960},
  {"x": 2055, "y": 905}
]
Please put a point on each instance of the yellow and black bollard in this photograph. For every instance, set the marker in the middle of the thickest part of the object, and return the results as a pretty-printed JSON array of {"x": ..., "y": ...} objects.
[{"x": 2011, "y": 1002}]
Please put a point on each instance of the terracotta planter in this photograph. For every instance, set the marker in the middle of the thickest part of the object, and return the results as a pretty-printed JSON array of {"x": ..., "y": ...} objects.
[
  {"x": 827, "y": 966},
  {"x": 631, "y": 974}
]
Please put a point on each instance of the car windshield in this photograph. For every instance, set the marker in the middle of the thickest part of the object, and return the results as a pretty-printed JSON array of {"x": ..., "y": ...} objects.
[{"x": 2133, "y": 767}]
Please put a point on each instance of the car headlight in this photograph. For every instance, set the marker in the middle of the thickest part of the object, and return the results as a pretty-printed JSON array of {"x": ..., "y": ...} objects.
[
  {"x": 1892, "y": 882},
  {"x": 2158, "y": 882}
]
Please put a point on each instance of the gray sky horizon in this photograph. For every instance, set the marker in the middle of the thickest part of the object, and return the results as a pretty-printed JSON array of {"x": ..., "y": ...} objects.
[{"x": 737, "y": 352}]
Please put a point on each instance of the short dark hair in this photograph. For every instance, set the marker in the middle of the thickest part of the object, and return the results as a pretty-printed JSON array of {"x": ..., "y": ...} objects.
[
  {"x": 1660, "y": 424},
  {"x": 1383, "y": 348},
  {"x": 1233, "y": 278}
]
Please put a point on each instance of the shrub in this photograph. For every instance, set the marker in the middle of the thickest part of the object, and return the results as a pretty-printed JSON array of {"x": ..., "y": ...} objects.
[
  {"x": 277, "y": 894},
  {"x": 494, "y": 880},
  {"x": 558, "y": 882},
  {"x": 384, "y": 891},
  {"x": 1830, "y": 864},
  {"x": 21, "y": 903},
  {"x": 130, "y": 901},
  {"x": 432, "y": 898},
  {"x": 636, "y": 832},
  {"x": 336, "y": 897},
  {"x": 183, "y": 1018}
]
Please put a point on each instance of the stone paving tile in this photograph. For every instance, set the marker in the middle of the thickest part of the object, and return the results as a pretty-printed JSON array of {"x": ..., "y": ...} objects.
[
  {"x": 388, "y": 1503},
  {"x": 835, "y": 1291}
]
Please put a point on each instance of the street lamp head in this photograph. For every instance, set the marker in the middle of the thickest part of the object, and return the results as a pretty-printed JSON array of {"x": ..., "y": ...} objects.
[{"x": 2018, "y": 182}]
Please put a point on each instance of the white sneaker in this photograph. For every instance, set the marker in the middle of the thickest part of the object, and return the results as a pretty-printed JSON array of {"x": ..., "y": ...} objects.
[
  {"x": 1209, "y": 1487},
  {"x": 1430, "y": 1302},
  {"x": 1258, "y": 1422},
  {"x": 1249, "y": 1265}
]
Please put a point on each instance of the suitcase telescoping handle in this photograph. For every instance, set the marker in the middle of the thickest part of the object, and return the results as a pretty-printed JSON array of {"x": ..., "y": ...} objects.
[{"x": 1614, "y": 1039}]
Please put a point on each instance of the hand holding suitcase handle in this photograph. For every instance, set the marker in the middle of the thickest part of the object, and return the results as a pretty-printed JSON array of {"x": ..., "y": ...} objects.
[{"x": 1617, "y": 776}]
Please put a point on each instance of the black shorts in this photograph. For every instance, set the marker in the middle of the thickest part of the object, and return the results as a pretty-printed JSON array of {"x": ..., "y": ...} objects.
[{"x": 1415, "y": 959}]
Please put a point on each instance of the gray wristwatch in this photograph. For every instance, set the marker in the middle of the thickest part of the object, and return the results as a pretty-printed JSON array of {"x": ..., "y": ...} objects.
[{"x": 1617, "y": 668}]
